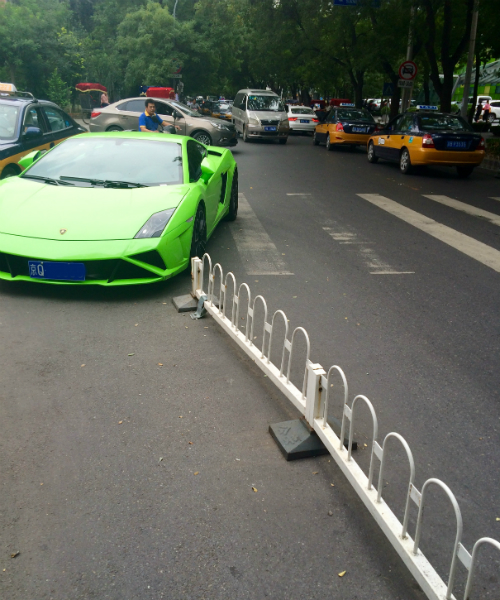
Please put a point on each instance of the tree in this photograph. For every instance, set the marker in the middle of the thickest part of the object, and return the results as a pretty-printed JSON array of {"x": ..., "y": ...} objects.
[{"x": 57, "y": 89}]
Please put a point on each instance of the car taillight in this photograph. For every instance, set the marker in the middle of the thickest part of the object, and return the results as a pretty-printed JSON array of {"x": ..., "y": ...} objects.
[
  {"x": 94, "y": 114},
  {"x": 482, "y": 144},
  {"x": 377, "y": 128},
  {"x": 315, "y": 120},
  {"x": 292, "y": 118},
  {"x": 427, "y": 141},
  {"x": 339, "y": 127}
]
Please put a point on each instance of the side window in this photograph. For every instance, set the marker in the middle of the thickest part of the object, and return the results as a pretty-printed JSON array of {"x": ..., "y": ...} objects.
[
  {"x": 32, "y": 118},
  {"x": 122, "y": 106},
  {"x": 136, "y": 105},
  {"x": 196, "y": 153},
  {"x": 56, "y": 119},
  {"x": 331, "y": 118},
  {"x": 164, "y": 109},
  {"x": 238, "y": 100},
  {"x": 396, "y": 124},
  {"x": 406, "y": 123}
]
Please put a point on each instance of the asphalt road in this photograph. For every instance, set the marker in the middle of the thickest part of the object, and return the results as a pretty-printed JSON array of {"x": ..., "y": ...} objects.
[{"x": 102, "y": 391}]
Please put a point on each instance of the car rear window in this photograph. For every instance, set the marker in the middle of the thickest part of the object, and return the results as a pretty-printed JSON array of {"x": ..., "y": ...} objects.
[
  {"x": 355, "y": 115},
  {"x": 133, "y": 160},
  {"x": 9, "y": 116},
  {"x": 302, "y": 111},
  {"x": 443, "y": 122}
]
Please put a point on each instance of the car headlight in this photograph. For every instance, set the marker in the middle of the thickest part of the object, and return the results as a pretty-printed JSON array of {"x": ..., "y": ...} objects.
[
  {"x": 252, "y": 121},
  {"x": 155, "y": 225},
  {"x": 220, "y": 125}
]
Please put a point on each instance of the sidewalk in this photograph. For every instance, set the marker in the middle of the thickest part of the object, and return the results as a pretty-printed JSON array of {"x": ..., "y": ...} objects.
[{"x": 137, "y": 464}]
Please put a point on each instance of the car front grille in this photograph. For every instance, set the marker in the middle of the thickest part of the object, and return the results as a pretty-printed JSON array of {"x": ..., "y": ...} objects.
[
  {"x": 95, "y": 270},
  {"x": 270, "y": 122}
]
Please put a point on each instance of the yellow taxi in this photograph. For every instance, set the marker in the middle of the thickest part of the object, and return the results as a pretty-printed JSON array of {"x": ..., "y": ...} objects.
[
  {"x": 345, "y": 125},
  {"x": 222, "y": 110},
  {"x": 428, "y": 137},
  {"x": 27, "y": 124}
]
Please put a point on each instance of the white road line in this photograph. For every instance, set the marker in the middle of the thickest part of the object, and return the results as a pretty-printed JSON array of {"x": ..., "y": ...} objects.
[
  {"x": 258, "y": 253},
  {"x": 463, "y": 243},
  {"x": 466, "y": 208},
  {"x": 495, "y": 198},
  {"x": 368, "y": 255},
  {"x": 298, "y": 194}
]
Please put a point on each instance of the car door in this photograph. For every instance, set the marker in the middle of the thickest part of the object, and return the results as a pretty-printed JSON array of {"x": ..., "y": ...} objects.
[
  {"x": 404, "y": 134},
  {"x": 322, "y": 129},
  {"x": 130, "y": 113},
  {"x": 59, "y": 125},
  {"x": 196, "y": 153},
  {"x": 33, "y": 117},
  {"x": 386, "y": 142},
  {"x": 166, "y": 113}
]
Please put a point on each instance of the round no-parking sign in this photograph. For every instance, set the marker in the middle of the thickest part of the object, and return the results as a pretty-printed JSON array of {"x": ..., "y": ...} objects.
[{"x": 408, "y": 70}]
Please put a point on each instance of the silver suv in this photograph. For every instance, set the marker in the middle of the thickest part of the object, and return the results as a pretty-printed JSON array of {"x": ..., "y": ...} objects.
[
  {"x": 124, "y": 115},
  {"x": 260, "y": 114}
]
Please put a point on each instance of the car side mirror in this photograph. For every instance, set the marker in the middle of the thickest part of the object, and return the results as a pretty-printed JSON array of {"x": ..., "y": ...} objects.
[
  {"x": 206, "y": 173},
  {"x": 29, "y": 159},
  {"x": 169, "y": 129},
  {"x": 178, "y": 115},
  {"x": 32, "y": 133}
]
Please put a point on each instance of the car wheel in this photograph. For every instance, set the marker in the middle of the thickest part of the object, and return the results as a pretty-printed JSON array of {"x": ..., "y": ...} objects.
[
  {"x": 315, "y": 139},
  {"x": 114, "y": 128},
  {"x": 10, "y": 171},
  {"x": 233, "y": 201},
  {"x": 371, "y": 153},
  {"x": 283, "y": 141},
  {"x": 246, "y": 139},
  {"x": 329, "y": 145},
  {"x": 199, "y": 239},
  {"x": 465, "y": 171},
  {"x": 405, "y": 162},
  {"x": 203, "y": 137}
]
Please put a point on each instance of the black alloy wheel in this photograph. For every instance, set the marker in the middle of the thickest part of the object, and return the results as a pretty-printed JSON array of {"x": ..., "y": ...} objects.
[
  {"x": 199, "y": 239},
  {"x": 404, "y": 161},
  {"x": 315, "y": 139},
  {"x": 328, "y": 145},
  {"x": 203, "y": 137},
  {"x": 10, "y": 171},
  {"x": 233, "y": 201},
  {"x": 464, "y": 171},
  {"x": 114, "y": 128},
  {"x": 371, "y": 153}
]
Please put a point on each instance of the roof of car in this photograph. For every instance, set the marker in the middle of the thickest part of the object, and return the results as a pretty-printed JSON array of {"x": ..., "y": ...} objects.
[{"x": 253, "y": 91}]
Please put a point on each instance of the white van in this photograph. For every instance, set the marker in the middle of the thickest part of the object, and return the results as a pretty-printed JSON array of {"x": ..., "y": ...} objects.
[{"x": 260, "y": 114}]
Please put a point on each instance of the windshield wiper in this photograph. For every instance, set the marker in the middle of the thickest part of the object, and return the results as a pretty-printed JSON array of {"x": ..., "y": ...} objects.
[
  {"x": 48, "y": 180},
  {"x": 105, "y": 182}
]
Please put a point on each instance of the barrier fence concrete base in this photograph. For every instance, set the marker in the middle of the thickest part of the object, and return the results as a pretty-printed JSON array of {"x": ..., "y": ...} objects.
[
  {"x": 297, "y": 440},
  {"x": 313, "y": 402}
]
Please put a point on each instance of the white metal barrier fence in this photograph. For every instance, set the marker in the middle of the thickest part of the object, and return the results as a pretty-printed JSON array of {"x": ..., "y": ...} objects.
[{"x": 312, "y": 402}]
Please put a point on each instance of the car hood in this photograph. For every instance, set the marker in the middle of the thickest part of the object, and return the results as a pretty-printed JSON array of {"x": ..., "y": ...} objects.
[
  {"x": 266, "y": 114},
  {"x": 38, "y": 210}
]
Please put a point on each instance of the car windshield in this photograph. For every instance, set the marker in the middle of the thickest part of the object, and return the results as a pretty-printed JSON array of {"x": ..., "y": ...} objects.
[
  {"x": 8, "y": 121},
  {"x": 183, "y": 108},
  {"x": 112, "y": 159},
  {"x": 443, "y": 122},
  {"x": 355, "y": 115},
  {"x": 302, "y": 111},
  {"x": 265, "y": 103}
]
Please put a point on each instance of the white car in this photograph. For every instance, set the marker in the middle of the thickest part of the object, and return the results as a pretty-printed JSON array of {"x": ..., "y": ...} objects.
[
  {"x": 495, "y": 110},
  {"x": 301, "y": 119}
]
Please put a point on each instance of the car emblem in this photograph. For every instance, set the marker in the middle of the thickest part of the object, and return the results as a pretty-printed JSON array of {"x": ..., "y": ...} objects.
[{"x": 62, "y": 231}]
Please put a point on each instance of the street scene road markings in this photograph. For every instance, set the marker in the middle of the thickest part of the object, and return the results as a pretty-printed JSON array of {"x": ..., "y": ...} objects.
[
  {"x": 298, "y": 194},
  {"x": 258, "y": 252},
  {"x": 463, "y": 243},
  {"x": 368, "y": 255},
  {"x": 466, "y": 208},
  {"x": 495, "y": 198}
]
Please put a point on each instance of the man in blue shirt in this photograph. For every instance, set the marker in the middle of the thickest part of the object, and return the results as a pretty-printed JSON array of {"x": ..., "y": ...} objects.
[{"x": 149, "y": 120}]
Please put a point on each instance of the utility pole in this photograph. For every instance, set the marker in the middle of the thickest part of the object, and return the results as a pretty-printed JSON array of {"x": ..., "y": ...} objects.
[
  {"x": 470, "y": 60},
  {"x": 409, "y": 56}
]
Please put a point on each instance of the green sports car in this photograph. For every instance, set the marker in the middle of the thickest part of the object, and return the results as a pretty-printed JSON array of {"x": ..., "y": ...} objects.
[{"x": 116, "y": 208}]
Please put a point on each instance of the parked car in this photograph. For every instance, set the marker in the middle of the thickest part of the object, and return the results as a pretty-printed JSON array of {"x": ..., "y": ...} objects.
[
  {"x": 301, "y": 119},
  {"x": 260, "y": 114},
  {"x": 345, "y": 126},
  {"x": 27, "y": 124},
  {"x": 124, "y": 115}
]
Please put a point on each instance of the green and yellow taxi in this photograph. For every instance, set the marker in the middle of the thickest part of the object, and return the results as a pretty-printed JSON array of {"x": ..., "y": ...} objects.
[
  {"x": 345, "y": 125},
  {"x": 27, "y": 124},
  {"x": 428, "y": 137}
]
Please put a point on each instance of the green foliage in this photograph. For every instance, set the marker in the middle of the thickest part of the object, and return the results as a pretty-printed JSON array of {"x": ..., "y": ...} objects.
[
  {"x": 493, "y": 147},
  {"x": 57, "y": 90}
]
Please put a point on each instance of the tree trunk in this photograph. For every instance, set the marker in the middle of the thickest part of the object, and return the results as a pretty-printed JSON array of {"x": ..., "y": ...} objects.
[
  {"x": 476, "y": 85},
  {"x": 427, "y": 91}
]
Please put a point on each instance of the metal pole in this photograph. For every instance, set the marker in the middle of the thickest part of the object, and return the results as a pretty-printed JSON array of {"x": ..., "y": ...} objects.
[
  {"x": 470, "y": 60},
  {"x": 409, "y": 55}
]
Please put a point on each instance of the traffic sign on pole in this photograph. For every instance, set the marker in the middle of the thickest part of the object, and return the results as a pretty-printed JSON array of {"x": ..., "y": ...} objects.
[
  {"x": 388, "y": 89},
  {"x": 405, "y": 83},
  {"x": 408, "y": 70}
]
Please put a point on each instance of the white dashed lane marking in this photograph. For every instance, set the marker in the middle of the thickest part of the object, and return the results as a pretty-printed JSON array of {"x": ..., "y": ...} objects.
[
  {"x": 463, "y": 243},
  {"x": 466, "y": 208},
  {"x": 258, "y": 252}
]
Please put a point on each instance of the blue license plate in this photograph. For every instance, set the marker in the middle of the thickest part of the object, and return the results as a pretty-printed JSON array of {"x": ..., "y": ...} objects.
[
  {"x": 304, "y": 120},
  {"x": 58, "y": 271},
  {"x": 269, "y": 128},
  {"x": 456, "y": 145},
  {"x": 359, "y": 129}
]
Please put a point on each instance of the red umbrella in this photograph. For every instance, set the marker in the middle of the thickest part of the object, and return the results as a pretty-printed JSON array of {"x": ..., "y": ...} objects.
[{"x": 90, "y": 87}]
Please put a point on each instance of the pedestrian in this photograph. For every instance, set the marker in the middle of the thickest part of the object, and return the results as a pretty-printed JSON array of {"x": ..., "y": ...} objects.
[
  {"x": 195, "y": 106},
  {"x": 104, "y": 100},
  {"x": 486, "y": 109},
  {"x": 479, "y": 109}
]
